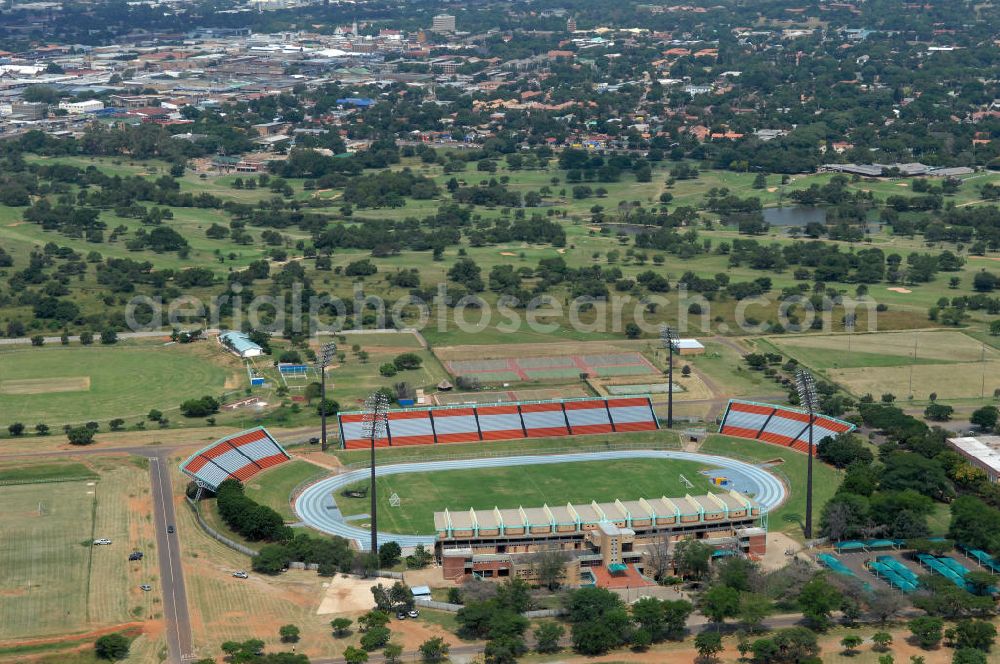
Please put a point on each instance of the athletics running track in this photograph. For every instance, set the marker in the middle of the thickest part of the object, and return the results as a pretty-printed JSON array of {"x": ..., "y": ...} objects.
[{"x": 317, "y": 508}]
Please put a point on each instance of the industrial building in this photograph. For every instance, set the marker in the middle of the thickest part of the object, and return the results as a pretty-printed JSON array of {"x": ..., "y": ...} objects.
[
  {"x": 239, "y": 344},
  {"x": 599, "y": 539}
]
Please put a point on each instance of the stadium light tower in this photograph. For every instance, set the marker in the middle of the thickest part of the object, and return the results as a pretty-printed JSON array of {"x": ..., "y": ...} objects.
[
  {"x": 326, "y": 354},
  {"x": 806, "y": 385},
  {"x": 668, "y": 337},
  {"x": 375, "y": 424}
]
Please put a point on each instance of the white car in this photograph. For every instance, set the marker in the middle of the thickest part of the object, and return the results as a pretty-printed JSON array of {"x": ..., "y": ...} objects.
[
  {"x": 241, "y": 575},
  {"x": 102, "y": 541}
]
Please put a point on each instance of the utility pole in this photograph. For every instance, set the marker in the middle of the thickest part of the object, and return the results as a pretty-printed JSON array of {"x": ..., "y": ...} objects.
[
  {"x": 668, "y": 337},
  {"x": 375, "y": 425},
  {"x": 326, "y": 354},
  {"x": 806, "y": 385}
]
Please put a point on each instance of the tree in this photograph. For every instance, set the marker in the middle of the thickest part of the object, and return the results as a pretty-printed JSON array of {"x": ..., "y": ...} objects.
[
  {"x": 927, "y": 630},
  {"x": 288, "y": 633},
  {"x": 753, "y": 609},
  {"x": 969, "y": 656},
  {"x": 375, "y": 638},
  {"x": 504, "y": 650},
  {"x": 787, "y": 646},
  {"x": 38, "y": 340},
  {"x": 850, "y": 643},
  {"x": 86, "y": 338},
  {"x": 373, "y": 619},
  {"x": 154, "y": 415},
  {"x": 691, "y": 559},
  {"x": 708, "y": 644},
  {"x": 547, "y": 637},
  {"x": 985, "y": 417},
  {"x": 407, "y": 361},
  {"x": 80, "y": 436},
  {"x": 433, "y": 650},
  {"x": 341, "y": 627},
  {"x": 818, "y": 599},
  {"x": 42, "y": 429},
  {"x": 549, "y": 567},
  {"x": 112, "y": 646},
  {"x": 720, "y": 602},
  {"x": 389, "y": 554},
  {"x": 16, "y": 429},
  {"x": 882, "y": 640},
  {"x": 109, "y": 337},
  {"x": 354, "y": 655},
  {"x": 632, "y": 331},
  {"x": 392, "y": 653},
  {"x": 938, "y": 412},
  {"x": 978, "y": 634},
  {"x": 116, "y": 424}
]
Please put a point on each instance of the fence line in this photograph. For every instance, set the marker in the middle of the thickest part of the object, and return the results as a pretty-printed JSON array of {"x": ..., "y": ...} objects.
[
  {"x": 48, "y": 480},
  {"x": 212, "y": 532}
]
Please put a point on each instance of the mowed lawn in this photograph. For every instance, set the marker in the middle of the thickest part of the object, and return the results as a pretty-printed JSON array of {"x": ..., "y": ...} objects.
[
  {"x": 790, "y": 516},
  {"x": 890, "y": 362},
  {"x": 274, "y": 486},
  {"x": 62, "y": 385},
  {"x": 52, "y": 580},
  {"x": 422, "y": 494}
]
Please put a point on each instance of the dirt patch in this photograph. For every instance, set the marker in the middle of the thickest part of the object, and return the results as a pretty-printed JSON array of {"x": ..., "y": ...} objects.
[
  {"x": 902, "y": 184},
  {"x": 497, "y": 351},
  {"x": 346, "y": 595},
  {"x": 897, "y": 289},
  {"x": 507, "y": 253},
  {"x": 560, "y": 251},
  {"x": 129, "y": 629},
  {"x": 772, "y": 189},
  {"x": 45, "y": 385}
]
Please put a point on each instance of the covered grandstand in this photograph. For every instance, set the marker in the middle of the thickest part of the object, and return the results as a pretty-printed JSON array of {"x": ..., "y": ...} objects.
[
  {"x": 239, "y": 456},
  {"x": 779, "y": 425},
  {"x": 527, "y": 419}
]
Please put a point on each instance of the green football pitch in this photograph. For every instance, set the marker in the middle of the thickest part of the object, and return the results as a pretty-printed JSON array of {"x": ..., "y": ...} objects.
[
  {"x": 422, "y": 494},
  {"x": 63, "y": 385}
]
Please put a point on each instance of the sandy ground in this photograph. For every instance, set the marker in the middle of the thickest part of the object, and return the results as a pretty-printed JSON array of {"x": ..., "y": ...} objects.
[
  {"x": 897, "y": 289},
  {"x": 507, "y": 253},
  {"x": 777, "y": 544},
  {"x": 429, "y": 576},
  {"x": 346, "y": 595}
]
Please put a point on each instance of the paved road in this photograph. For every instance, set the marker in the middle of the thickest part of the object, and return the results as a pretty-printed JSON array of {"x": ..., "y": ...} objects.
[
  {"x": 316, "y": 505},
  {"x": 175, "y": 607}
]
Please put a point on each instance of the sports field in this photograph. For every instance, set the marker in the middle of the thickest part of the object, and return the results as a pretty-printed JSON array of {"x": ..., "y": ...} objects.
[
  {"x": 53, "y": 581},
  {"x": 549, "y": 367},
  {"x": 950, "y": 363},
  {"x": 422, "y": 494},
  {"x": 500, "y": 396},
  {"x": 63, "y": 385}
]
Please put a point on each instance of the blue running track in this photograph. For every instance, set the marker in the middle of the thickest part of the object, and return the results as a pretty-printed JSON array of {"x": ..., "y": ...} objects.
[{"x": 317, "y": 508}]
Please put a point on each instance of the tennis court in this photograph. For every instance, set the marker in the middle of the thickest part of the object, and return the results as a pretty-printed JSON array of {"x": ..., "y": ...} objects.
[{"x": 554, "y": 367}]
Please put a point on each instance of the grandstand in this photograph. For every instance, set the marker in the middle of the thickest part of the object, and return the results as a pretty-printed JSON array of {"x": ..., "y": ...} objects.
[
  {"x": 778, "y": 425},
  {"x": 529, "y": 419},
  {"x": 239, "y": 456}
]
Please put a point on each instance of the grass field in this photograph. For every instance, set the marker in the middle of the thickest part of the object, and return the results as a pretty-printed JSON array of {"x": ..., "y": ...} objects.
[
  {"x": 422, "y": 494},
  {"x": 790, "y": 516},
  {"x": 273, "y": 487},
  {"x": 16, "y": 473},
  {"x": 53, "y": 581},
  {"x": 950, "y": 363},
  {"x": 122, "y": 381}
]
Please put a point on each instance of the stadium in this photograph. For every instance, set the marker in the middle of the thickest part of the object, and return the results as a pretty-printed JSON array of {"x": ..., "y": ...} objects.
[{"x": 495, "y": 528}]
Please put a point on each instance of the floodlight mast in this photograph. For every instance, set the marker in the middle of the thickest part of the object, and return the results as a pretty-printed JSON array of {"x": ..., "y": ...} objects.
[
  {"x": 668, "y": 337},
  {"x": 375, "y": 424},
  {"x": 805, "y": 384},
  {"x": 326, "y": 355}
]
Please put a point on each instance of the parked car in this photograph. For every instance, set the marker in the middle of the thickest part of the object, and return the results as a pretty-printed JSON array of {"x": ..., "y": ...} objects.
[
  {"x": 313, "y": 440},
  {"x": 135, "y": 555},
  {"x": 413, "y": 613},
  {"x": 400, "y": 615},
  {"x": 102, "y": 541},
  {"x": 241, "y": 575},
  {"x": 170, "y": 529},
  {"x": 145, "y": 587}
]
